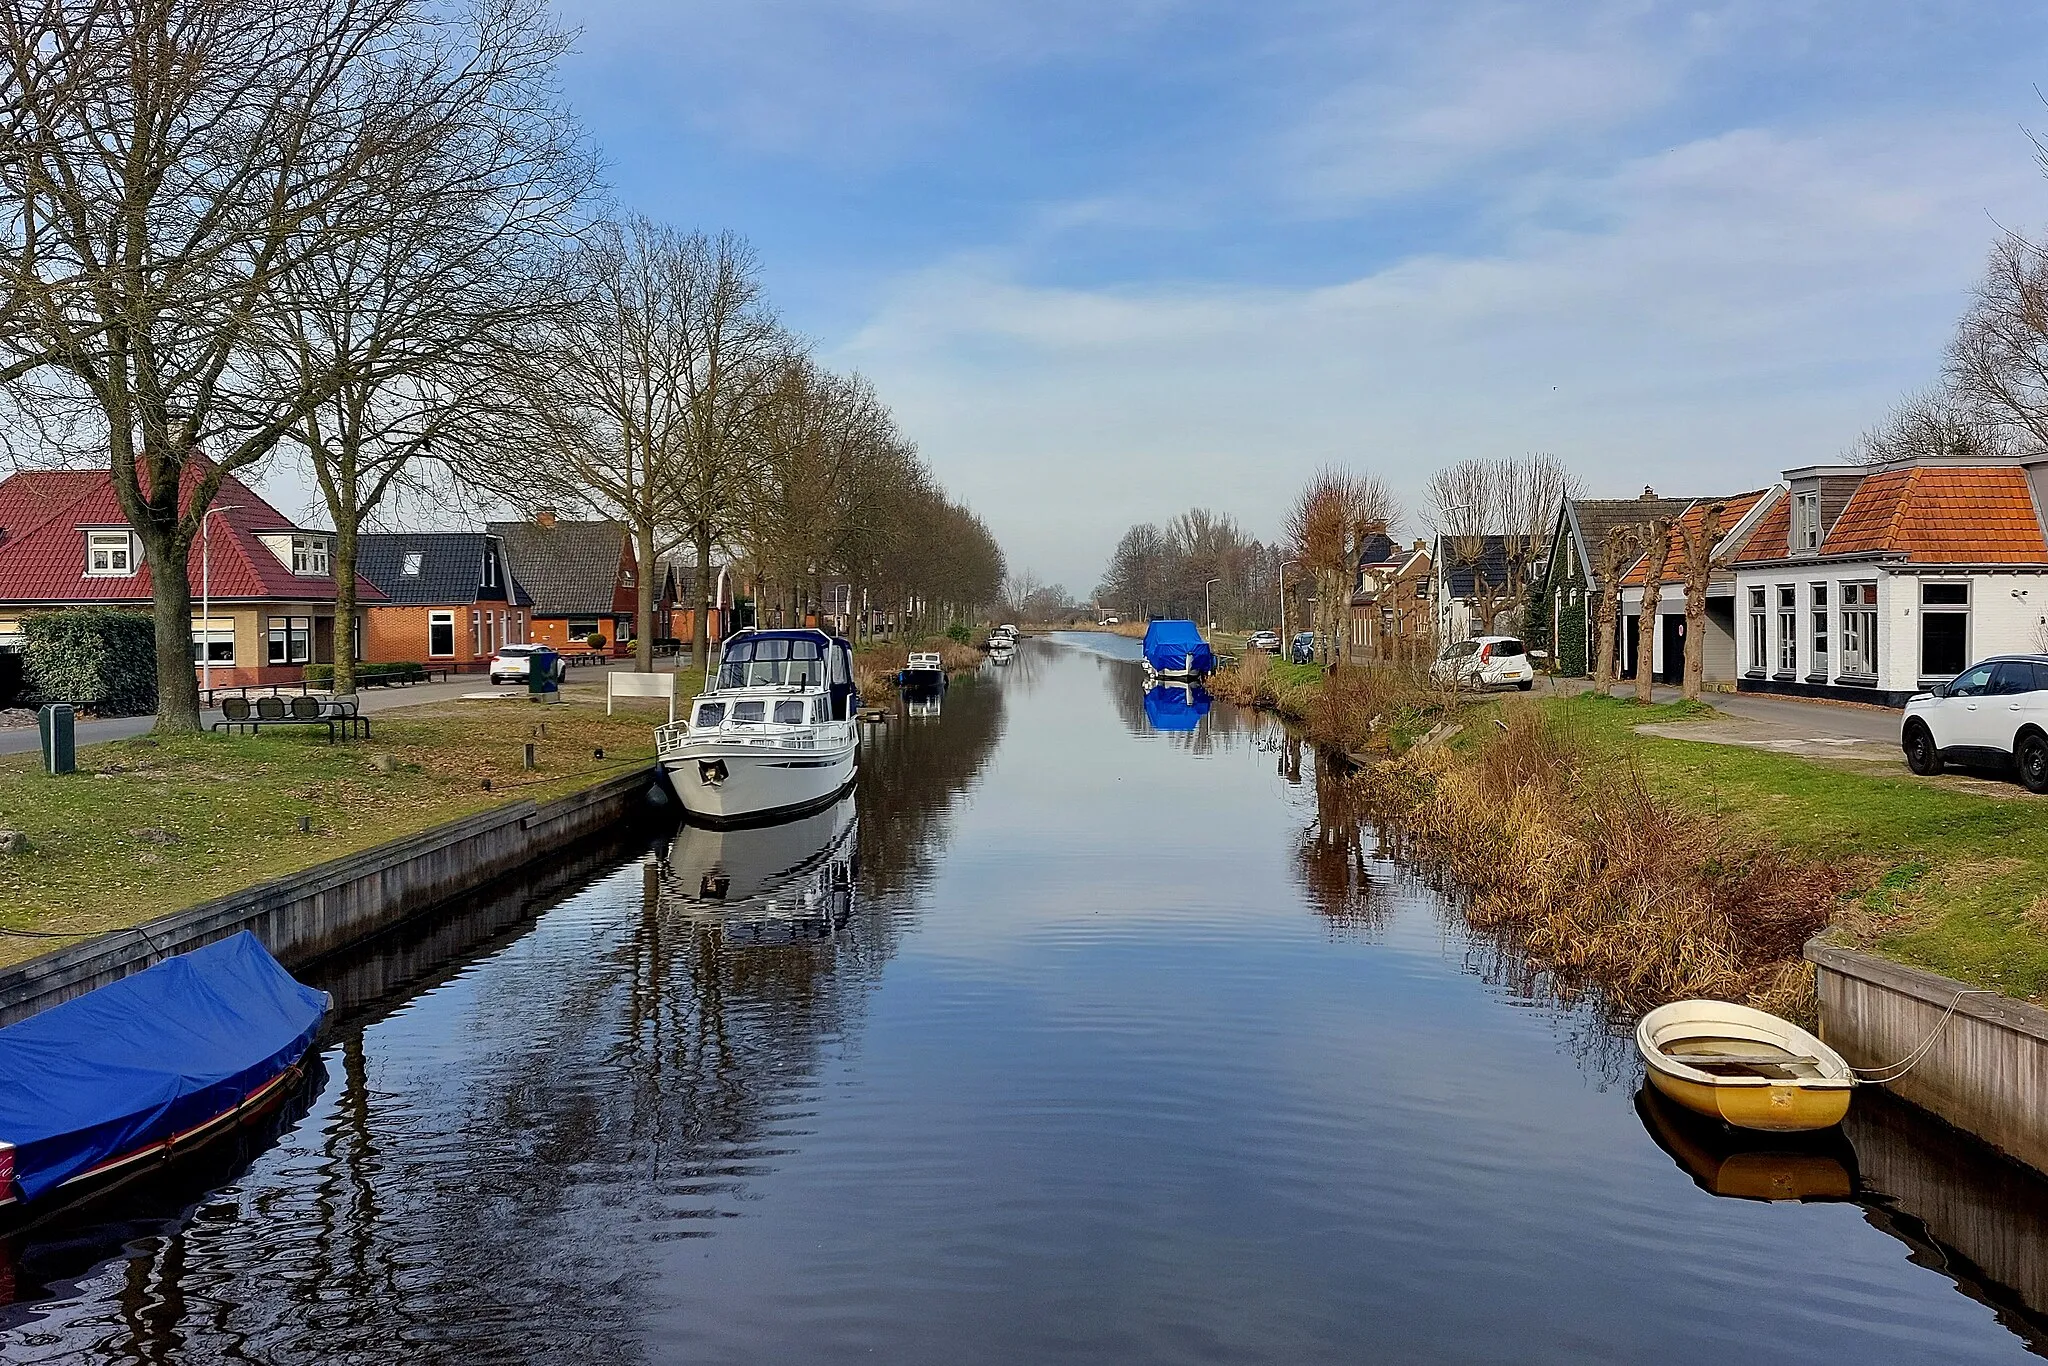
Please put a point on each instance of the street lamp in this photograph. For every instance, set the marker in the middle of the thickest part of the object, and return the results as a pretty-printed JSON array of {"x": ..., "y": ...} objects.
[
  {"x": 1208, "y": 613},
  {"x": 206, "y": 592}
]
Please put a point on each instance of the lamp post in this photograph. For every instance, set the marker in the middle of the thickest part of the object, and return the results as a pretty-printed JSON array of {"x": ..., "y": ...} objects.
[
  {"x": 206, "y": 593},
  {"x": 1209, "y": 613}
]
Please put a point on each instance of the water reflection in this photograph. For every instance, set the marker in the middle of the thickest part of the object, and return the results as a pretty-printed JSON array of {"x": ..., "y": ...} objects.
[
  {"x": 765, "y": 884},
  {"x": 1175, "y": 706},
  {"x": 1722, "y": 1161}
]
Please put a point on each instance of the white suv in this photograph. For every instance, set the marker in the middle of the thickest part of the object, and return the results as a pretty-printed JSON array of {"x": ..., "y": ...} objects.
[
  {"x": 509, "y": 665},
  {"x": 1485, "y": 662},
  {"x": 1992, "y": 713}
]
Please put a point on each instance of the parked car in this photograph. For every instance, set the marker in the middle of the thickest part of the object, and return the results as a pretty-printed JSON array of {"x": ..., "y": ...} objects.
[
  {"x": 1303, "y": 650},
  {"x": 509, "y": 664},
  {"x": 1485, "y": 662},
  {"x": 1269, "y": 641},
  {"x": 1994, "y": 713},
  {"x": 1110, "y": 621}
]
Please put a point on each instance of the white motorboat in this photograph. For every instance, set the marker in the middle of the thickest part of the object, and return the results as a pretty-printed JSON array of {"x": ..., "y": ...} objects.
[
  {"x": 774, "y": 735},
  {"x": 782, "y": 883}
]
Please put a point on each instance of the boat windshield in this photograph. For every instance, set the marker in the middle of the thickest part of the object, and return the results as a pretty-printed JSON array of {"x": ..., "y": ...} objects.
[{"x": 773, "y": 662}]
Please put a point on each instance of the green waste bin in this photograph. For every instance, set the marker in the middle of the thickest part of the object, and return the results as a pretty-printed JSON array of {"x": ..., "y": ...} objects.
[
  {"x": 544, "y": 670},
  {"x": 57, "y": 725}
]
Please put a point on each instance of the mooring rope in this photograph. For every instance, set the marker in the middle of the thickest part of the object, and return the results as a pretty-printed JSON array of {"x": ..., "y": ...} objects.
[{"x": 1911, "y": 1060}]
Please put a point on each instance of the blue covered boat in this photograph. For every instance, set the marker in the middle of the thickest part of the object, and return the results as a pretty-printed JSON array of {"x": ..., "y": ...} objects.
[
  {"x": 1176, "y": 706},
  {"x": 116, "y": 1081},
  {"x": 1175, "y": 649}
]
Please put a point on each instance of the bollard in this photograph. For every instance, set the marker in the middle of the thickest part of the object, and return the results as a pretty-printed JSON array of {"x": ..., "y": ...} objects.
[
  {"x": 56, "y": 723},
  {"x": 530, "y": 764}
]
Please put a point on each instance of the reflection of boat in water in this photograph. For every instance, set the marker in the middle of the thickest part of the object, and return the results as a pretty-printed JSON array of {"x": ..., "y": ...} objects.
[
  {"x": 1722, "y": 1161},
  {"x": 766, "y": 884},
  {"x": 1744, "y": 1067},
  {"x": 1001, "y": 652},
  {"x": 922, "y": 707},
  {"x": 1175, "y": 706}
]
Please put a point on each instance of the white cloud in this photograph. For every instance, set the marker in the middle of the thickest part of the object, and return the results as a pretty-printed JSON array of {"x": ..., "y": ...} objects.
[{"x": 1702, "y": 317}]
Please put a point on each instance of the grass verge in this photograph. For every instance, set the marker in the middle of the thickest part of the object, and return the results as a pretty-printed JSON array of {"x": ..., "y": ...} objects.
[{"x": 156, "y": 824}]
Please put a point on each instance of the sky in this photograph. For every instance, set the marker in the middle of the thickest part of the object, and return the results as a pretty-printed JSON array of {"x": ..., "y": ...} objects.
[{"x": 1110, "y": 261}]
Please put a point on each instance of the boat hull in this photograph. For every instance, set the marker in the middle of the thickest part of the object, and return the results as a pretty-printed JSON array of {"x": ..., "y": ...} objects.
[
  {"x": 729, "y": 784},
  {"x": 1719, "y": 1032},
  {"x": 1784, "y": 1108}
]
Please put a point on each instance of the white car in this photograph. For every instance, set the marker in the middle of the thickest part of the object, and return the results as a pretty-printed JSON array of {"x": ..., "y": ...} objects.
[
  {"x": 1485, "y": 662},
  {"x": 509, "y": 664},
  {"x": 1994, "y": 713}
]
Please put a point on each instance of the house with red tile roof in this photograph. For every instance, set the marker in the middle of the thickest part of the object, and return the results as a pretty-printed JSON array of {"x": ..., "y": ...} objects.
[
  {"x": 262, "y": 586},
  {"x": 1741, "y": 514},
  {"x": 1871, "y": 583}
]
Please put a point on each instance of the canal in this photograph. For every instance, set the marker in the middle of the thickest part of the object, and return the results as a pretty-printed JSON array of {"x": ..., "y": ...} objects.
[{"x": 1093, "y": 1031}]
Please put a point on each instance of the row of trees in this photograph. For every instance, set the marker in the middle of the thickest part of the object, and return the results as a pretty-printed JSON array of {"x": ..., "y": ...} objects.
[
  {"x": 1198, "y": 561},
  {"x": 367, "y": 232}
]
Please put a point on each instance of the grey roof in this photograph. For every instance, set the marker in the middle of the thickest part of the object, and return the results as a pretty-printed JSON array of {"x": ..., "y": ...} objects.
[
  {"x": 451, "y": 566},
  {"x": 570, "y": 568},
  {"x": 1593, "y": 518}
]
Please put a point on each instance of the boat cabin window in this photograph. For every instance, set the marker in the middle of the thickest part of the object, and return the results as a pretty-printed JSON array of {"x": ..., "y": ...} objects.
[
  {"x": 773, "y": 662},
  {"x": 790, "y": 712},
  {"x": 743, "y": 712},
  {"x": 711, "y": 714}
]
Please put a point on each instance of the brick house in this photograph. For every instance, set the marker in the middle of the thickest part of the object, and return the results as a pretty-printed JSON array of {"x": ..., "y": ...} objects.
[
  {"x": 1870, "y": 583},
  {"x": 64, "y": 542},
  {"x": 1391, "y": 615},
  {"x": 582, "y": 577},
  {"x": 677, "y": 600},
  {"x": 450, "y": 598}
]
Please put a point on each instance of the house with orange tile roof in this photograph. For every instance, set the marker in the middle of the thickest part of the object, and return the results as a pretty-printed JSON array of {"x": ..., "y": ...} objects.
[
  {"x": 262, "y": 586},
  {"x": 1872, "y": 583},
  {"x": 1741, "y": 514}
]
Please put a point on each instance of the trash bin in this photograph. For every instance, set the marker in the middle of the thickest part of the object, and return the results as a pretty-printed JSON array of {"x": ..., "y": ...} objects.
[
  {"x": 56, "y": 724},
  {"x": 544, "y": 670}
]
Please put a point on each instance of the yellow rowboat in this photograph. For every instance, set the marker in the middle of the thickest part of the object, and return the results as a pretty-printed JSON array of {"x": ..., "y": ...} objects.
[{"x": 1744, "y": 1067}]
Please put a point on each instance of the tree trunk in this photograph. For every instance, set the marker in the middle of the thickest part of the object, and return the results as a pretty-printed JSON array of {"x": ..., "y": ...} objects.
[
  {"x": 344, "y": 607},
  {"x": 1604, "y": 632},
  {"x": 707, "y": 594},
  {"x": 177, "y": 686},
  {"x": 643, "y": 599},
  {"x": 1695, "y": 642},
  {"x": 1646, "y": 634}
]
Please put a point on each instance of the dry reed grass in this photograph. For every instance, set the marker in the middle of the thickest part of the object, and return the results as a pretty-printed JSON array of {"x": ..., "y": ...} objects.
[
  {"x": 875, "y": 666},
  {"x": 1598, "y": 879}
]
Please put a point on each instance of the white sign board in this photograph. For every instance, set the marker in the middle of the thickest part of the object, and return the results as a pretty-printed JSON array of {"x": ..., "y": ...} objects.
[{"x": 627, "y": 683}]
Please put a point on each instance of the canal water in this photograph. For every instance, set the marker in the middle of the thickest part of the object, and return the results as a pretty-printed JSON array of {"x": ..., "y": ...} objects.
[{"x": 1092, "y": 1031}]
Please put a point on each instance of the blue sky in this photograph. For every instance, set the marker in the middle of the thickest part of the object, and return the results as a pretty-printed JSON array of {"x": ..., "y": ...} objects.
[{"x": 1110, "y": 261}]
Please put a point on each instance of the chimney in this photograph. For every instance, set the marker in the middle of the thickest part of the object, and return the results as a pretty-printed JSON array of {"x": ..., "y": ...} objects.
[
  {"x": 1649, "y": 494},
  {"x": 544, "y": 517}
]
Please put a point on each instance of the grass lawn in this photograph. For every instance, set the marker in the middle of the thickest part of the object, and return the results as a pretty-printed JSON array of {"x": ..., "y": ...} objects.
[
  {"x": 153, "y": 825},
  {"x": 1956, "y": 882}
]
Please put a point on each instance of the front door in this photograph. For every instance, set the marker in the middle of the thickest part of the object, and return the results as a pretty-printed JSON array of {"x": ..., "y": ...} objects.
[
  {"x": 1630, "y": 629},
  {"x": 1672, "y": 628}
]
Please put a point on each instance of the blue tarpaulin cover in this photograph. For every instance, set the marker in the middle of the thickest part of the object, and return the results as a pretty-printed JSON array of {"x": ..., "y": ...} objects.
[
  {"x": 1171, "y": 707},
  {"x": 1173, "y": 647},
  {"x": 151, "y": 1055}
]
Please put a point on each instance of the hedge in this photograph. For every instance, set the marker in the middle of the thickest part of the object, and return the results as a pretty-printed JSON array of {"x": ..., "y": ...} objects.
[
  {"x": 98, "y": 657},
  {"x": 376, "y": 675}
]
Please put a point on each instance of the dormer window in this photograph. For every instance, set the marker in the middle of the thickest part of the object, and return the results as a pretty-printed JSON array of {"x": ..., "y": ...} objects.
[
  {"x": 411, "y": 567},
  {"x": 1806, "y": 522},
  {"x": 110, "y": 553},
  {"x": 309, "y": 555},
  {"x": 490, "y": 567}
]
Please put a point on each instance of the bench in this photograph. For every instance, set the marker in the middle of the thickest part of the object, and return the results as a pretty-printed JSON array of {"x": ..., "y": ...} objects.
[{"x": 338, "y": 715}]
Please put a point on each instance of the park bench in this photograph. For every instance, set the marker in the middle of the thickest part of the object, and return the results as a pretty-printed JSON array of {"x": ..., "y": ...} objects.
[{"x": 338, "y": 715}]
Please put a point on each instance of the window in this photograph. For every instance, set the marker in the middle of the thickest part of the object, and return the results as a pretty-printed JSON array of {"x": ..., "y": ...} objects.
[
  {"x": 213, "y": 640},
  {"x": 1944, "y": 629},
  {"x": 1859, "y": 630},
  {"x": 580, "y": 631},
  {"x": 1806, "y": 522},
  {"x": 1819, "y": 663},
  {"x": 749, "y": 712},
  {"x": 411, "y": 568},
  {"x": 711, "y": 714},
  {"x": 1788, "y": 629},
  {"x": 773, "y": 660},
  {"x": 291, "y": 640},
  {"x": 309, "y": 554},
  {"x": 789, "y": 713},
  {"x": 1975, "y": 683},
  {"x": 490, "y": 579},
  {"x": 2012, "y": 678},
  {"x": 109, "y": 552},
  {"x": 440, "y": 633},
  {"x": 1759, "y": 633}
]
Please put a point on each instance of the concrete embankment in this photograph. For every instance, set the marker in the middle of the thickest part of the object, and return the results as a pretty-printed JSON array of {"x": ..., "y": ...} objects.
[
  {"x": 1986, "y": 1068},
  {"x": 310, "y": 914}
]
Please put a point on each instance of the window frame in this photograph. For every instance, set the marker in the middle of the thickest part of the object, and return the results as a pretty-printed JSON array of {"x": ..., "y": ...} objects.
[
  {"x": 1788, "y": 630},
  {"x": 1858, "y": 623},
  {"x": 412, "y": 564},
  {"x": 1759, "y": 632},
  {"x": 1818, "y": 665},
  {"x": 207, "y": 637},
  {"x": 283, "y": 639},
  {"x": 312, "y": 557},
  {"x": 1806, "y": 521},
  {"x": 436, "y": 621},
  {"x": 104, "y": 539},
  {"x": 1931, "y": 610}
]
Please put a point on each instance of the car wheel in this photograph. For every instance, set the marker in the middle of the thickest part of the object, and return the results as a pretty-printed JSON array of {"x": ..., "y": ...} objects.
[
  {"x": 2031, "y": 754},
  {"x": 1921, "y": 755},
  {"x": 1526, "y": 684}
]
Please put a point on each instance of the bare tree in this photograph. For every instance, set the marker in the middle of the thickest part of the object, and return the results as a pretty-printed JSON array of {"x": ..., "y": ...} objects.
[
  {"x": 1997, "y": 367},
  {"x": 1696, "y": 550},
  {"x": 1329, "y": 521},
  {"x": 1512, "y": 503},
  {"x": 1936, "y": 424},
  {"x": 1656, "y": 551},
  {"x": 166, "y": 164},
  {"x": 1621, "y": 545}
]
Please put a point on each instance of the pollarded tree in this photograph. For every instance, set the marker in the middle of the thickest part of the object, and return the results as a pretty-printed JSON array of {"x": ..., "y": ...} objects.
[{"x": 1656, "y": 552}]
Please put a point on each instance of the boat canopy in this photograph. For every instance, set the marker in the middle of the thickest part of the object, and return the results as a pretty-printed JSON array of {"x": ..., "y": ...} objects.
[
  {"x": 757, "y": 659},
  {"x": 1175, "y": 707},
  {"x": 149, "y": 1056},
  {"x": 1177, "y": 647}
]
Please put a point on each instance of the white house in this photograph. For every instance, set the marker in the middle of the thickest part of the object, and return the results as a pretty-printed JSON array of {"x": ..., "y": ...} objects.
[
  {"x": 1869, "y": 583},
  {"x": 1741, "y": 516}
]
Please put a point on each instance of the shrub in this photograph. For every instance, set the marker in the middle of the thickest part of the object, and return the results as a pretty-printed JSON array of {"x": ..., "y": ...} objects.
[
  {"x": 595, "y": 640},
  {"x": 98, "y": 657},
  {"x": 374, "y": 674},
  {"x": 959, "y": 633}
]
